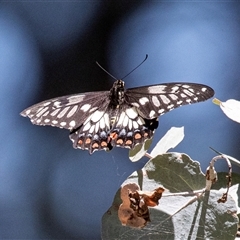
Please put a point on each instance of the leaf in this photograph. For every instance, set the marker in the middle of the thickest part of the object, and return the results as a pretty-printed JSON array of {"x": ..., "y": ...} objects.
[
  {"x": 234, "y": 189},
  {"x": 233, "y": 192},
  {"x": 203, "y": 219},
  {"x": 139, "y": 150},
  {"x": 177, "y": 167},
  {"x": 170, "y": 140},
  {"x": 231, "y": 108}
]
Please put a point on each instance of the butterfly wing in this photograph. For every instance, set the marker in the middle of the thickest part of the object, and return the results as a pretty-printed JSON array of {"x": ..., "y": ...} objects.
[
  {"x": 67, "y": 112},
  {"x": 155, "y": 100},
  {"x": 131, "y": 128},
  {"x": 93, "y": 133}
]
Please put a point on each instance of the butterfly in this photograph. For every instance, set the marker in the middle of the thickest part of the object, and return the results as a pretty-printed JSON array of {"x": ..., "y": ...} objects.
[{"x": 120, "y": 117}]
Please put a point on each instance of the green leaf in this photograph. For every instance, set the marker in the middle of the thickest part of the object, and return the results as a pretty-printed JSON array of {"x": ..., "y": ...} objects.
[
  {"x": 176, "y": 171},
  {"x": 234, "y": 189},
  {"x": 203, "y": 219}
]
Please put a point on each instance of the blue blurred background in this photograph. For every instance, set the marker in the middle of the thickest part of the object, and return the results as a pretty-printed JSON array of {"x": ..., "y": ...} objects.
[{"x": 49, "y": 49}]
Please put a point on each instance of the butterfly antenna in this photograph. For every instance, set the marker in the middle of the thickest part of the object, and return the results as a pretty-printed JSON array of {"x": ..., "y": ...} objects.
[
  {"x": 106, "y": 71},
  {"x": 136, "y": 67},
  {"x": 125, "y": 75}
]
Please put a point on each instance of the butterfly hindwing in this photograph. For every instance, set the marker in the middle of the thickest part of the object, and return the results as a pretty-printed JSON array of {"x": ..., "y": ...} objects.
[
  {"x": 131, "y": 128},
  {"x": 93, "y": 134},
  {"x": 103, "y": 130}
]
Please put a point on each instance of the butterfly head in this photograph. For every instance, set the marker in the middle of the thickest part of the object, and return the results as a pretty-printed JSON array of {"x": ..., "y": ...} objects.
[{"x": 119, "y": 84}]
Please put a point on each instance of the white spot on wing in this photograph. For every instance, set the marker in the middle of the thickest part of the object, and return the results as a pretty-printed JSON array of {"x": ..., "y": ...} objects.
[
  {"x": 186, "y": 91},
  {"x": 132, "y": 113},
  {"x": 39, "y": 109},
  {"x": 130, "y": 124},
  {"x": 96, "y": 116},
  {"x": 45, "y": 114},
  {"x": 63, "y": 124},
  {"x": 135, "y": 125},
  {"x": 204, "y": 89},
  {"x": 54, "y": 122},
  {"x": 157, "y": 89},
  {"x": 55, "y": 112},
  {"x": 164, "y": 99},
  {"x": 72, "y": 111},
  {"x": 102, "y": 124},
  {"x": 28, "y": 111},
  {"x": 155, "y": 101},
  {"x": 42, "y": 111},
  {"x": 160, "y": 111},
  {"x": 63, "y": 112},
  {"x": 140, "y": 121},
  {"x": 93, "y": 109},
  {"x": 174, "y": 89},
  {"x": 46, "y": 104},
  {"x": 91, "y": 129},
  {"x": 86, "y": 126},
  {"x": 75, "y": 99},
  {"x": 96, "y": 127},
  {"x": 85, "y": 107},
  {"x": 125, "y": 121},
  {"x": 173, "y": 96},
  {"x": 57, "y": 104},
  {"x": 121, "y": 118},
  {"x": 135, "y": 104},
  {"x": 152, "y": 113},
  {"x": 47, "y": 120},
  {"x": 143, "y": 100},
  {"x": 72, "y": 123},
  {"x": 171, "y": 106},
  {"x": 195, "y": 99},
  {"x": 106, "y": 120}
]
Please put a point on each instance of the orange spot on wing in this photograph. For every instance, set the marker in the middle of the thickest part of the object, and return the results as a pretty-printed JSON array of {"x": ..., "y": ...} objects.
[
  {"x": 88, "y": 141},
  {"x": 103, "y": 144},
  {"x": 137, "y": 136},
  {"x": 128, "y": 142},
  {"x": 120, "y": 141},
  {"x": 80, "y": 142},
  {"x": 95, "y": 145},
  {"x": 145, "y": 134}
]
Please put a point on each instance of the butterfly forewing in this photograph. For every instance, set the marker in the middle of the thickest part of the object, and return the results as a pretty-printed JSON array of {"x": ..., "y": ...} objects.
[
  {"x": 66, "y": 112},
  {"x": 155, "y": 100}
]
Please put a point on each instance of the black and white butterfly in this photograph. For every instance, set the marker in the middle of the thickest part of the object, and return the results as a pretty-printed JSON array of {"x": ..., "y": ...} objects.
[{"x": 119, "y": 117}]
